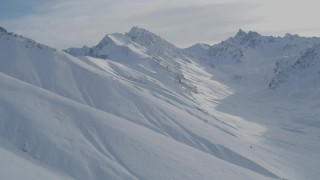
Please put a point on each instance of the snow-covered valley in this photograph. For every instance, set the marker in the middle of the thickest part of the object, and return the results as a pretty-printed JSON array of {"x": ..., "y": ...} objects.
[{"x": 137, "y": 107}]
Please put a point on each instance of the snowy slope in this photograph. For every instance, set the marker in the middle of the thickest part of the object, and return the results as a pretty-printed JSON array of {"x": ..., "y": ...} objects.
[
  {"x": 91, "y": 144},
  {"x": 144, "y": 52},
  {"x": 137, "y": 107},
  {"x": 16, "y": 165},
  {"x": 58, "y": 148},
  {"x": 275, "y": 84}
]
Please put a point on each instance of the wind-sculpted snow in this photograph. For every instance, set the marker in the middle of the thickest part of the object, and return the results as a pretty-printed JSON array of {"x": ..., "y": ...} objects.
[
  {"x": 137, "y": 107},
  {"x": 87, "y": 143}
]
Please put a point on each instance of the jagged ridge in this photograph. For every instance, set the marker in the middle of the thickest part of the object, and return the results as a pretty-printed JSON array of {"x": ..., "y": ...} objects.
[
  {"x": 2, "y": 29},
  {"x": 306, "y": 68}
]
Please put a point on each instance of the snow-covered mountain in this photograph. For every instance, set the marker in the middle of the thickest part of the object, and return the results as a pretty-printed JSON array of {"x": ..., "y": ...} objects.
[
  {"x": 299, "y": 76},
  {"x": 143, "y": 51},
  {"x": 137, "y": 107},
  {"x": 138, "y": 43},
  {"x": 251, "y": 57}
]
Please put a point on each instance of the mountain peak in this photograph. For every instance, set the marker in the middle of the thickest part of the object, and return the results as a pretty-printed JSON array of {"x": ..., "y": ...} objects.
[
  {"x": 142, "y": 35},
  {"x": 148, "y": 39},
  {"x": 240, "y": 33},
  {"x": 2, "y": 29},
  {"x": 288, "y": 35},
  {"x": 253, "y": 34},
  {"x": 246, "y": 38},
  {"x": 136, "y": 31},
  {"x": 246, "y": 35}
]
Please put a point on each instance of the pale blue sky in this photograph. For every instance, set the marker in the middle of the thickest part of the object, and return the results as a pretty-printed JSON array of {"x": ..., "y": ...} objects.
[
  {"x": 10, "y": 9},
  {"x": 66, "y": 23}
]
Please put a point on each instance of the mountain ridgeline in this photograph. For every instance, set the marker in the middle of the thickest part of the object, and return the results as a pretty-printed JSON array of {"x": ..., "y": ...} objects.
[{"x": 238, "y": 55}]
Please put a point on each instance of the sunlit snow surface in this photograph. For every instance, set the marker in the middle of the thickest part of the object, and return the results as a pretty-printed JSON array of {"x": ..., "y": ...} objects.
[{"x": 137, "y": 107}]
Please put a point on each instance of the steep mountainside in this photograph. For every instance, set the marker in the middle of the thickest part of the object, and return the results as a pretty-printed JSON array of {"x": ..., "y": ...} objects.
[
  {"x": 300, "y": 76},
  {"x": 137, "y": 107}
]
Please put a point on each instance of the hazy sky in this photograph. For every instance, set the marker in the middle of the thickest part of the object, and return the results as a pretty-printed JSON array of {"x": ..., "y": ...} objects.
[{"x": 66, "y": 23}]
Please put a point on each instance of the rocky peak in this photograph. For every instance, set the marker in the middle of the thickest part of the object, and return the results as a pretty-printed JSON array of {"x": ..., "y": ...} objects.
[
  {"x": 288, "y": 35},
  {"x": 305, "y": 70},
  {"x": 310, "y": 58},
  {"x": 249, "y": 39},
  {"x": 226, "y": 52},
  {"x": 147, "y": 38},
  {"x": 252, "y": 34},
  {"x": 84, "y": 51},
  {"x": 138, "y": 33},
  {"x": 240, "y": 34}
]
